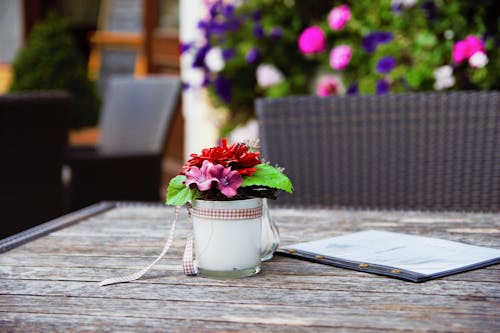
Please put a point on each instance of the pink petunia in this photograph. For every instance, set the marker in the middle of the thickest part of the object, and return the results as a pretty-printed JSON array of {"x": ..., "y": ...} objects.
[
  {"x": 328, "y": 86},
  {"x": 464, "y": 49},
  {"x": 200, "y": 176},
  {"x": 340, "y": 57},
  {"x": 312, "y": 40},
  {"x": 228, "y": 181},
  {"x": 338, "y": 17}
]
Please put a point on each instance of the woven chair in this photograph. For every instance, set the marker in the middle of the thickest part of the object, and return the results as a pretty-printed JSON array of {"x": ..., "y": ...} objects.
[
  {"x": 33, "y": 138},
  {"x": 422, "y": 151},
  {"x": 127, "y": 162}
]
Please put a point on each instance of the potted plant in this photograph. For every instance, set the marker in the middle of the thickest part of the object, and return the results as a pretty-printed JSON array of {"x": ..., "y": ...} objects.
[{"x": 224, "y": 188}]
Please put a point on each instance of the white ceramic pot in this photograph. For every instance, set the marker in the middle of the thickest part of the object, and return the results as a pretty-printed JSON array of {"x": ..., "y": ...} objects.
[{"x": 227, "y": 243}]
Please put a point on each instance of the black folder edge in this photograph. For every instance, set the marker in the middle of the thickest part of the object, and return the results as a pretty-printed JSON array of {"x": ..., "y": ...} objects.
[{"x": 377, "y": 269}]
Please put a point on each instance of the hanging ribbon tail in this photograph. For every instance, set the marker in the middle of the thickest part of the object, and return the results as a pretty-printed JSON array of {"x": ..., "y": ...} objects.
[
  {"x": 188, "y": 260},
  {"x": 139, "y": 274}
]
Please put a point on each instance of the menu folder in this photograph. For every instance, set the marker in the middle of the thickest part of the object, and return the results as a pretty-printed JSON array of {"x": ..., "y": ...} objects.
[{"x": 407, "y": 257}]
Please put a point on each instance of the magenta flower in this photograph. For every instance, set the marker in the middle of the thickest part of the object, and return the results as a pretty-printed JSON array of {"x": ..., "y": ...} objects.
[
  {"x": 328, "y": 86},
  {"x": 340, "y": 57},
  {"x": 200, "y": 176},
  {"x": 312, "y": 40},
  {"x": 338, "y": 17},
  {"x": 464, "y": 49},
  {"x": 228, "y": 181}
]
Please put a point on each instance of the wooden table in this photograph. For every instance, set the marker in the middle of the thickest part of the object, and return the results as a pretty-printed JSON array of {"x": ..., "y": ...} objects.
[{"x": 50, "y": 283}]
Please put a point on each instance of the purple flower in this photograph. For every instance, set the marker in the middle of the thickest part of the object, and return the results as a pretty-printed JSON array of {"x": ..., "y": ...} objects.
[
  {"x": 199, "y": 57},
  {"x": 223, "y": 88},
  {"x": 385, "y": 65},
  {"x": 382, "y": 87},
  {"x": 430, "y": 8},
  {"x": 206, "y": 80},
  {"x": 219, "y": 28},
  {"x": 372, "y": 40},
  {"x": 228, "y": 181},
  {"x": 352, "y": 89},
  {"x": 232, "y": 25},
  {"x": 253, "y": 55},
  {"x": 228, "y": 54},
  {"x": 204, "y": 25},
  {"x": 200, "y": 176},
  {"x": 214, "y": 9},
  {"x": 258, "y": 31},
  {"x": 277, "y": 32},
  {"x": 183, "y": 47},
  {"x": 228, "y": 10},
  {"x": 257, "y": 15}
]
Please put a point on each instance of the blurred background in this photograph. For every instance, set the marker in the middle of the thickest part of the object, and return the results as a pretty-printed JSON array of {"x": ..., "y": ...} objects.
[
  {"x": 131, "y": 37},
  {"x": 221, "y": 56}
]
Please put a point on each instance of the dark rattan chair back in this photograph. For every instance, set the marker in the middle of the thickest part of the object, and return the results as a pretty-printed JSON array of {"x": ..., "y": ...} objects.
[
  {"x": 33, "y": 138},
  {"x": 422, "y": 151}
]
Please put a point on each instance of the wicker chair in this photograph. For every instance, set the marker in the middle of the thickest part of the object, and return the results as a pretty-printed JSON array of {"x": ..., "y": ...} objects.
[
  {"x": 33, "y": 138},
  {"x": 126, "y": 164},
  {"x": 422, "y": 151}
]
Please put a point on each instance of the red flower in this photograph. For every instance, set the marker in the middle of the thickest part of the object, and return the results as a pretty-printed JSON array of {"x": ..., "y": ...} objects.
[{"x": 235, "y": 156}]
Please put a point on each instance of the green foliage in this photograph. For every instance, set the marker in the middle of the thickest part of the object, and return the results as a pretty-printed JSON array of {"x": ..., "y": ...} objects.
[
  {"x": 423, "y": 41},
  {"x": 178, "y": 193},
  {"x": 424, "y": 34},
  {"x": 268, "y": 176},
  {"x": 50, "y": 61}
]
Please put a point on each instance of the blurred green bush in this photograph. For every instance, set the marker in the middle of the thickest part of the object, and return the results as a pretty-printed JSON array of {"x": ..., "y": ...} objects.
[
  {"x": 251, "y": 50},
  {"x": 50, "y": 61}
]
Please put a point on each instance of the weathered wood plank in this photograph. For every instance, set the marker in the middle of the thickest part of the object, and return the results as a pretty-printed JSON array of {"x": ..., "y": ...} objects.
[
  {"x": 351, "y": 282},
  {"x": 50, "y": 284},
  {"x": 356, "y": 301},
  {"x": 278, "y": 266},
  {"x": 289, "y": 315},
  {"x": 31, "y": 322}
]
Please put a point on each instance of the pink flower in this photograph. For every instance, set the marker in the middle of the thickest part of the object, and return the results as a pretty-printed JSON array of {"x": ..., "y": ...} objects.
[
  {"x": 340, "y": 56},
  {"x": 464, "y": 49},
  {"x": 200, "y": 176},
  {"x": 312, "y": 40},
  {"x": 228, "y": 181},
  {"x": 328, "y": 86},
  {"x": 338, "y": 17}
]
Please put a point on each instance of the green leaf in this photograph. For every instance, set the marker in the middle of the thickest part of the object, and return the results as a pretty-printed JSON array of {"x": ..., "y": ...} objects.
[
  {"x": 178, "y": 193},
  {"x": 269, "y": 176}
]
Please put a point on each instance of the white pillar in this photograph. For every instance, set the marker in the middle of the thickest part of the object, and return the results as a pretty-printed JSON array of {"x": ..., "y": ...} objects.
[
  {"x": 201, "y": 129},
  {"x": 11, "y": 29}
]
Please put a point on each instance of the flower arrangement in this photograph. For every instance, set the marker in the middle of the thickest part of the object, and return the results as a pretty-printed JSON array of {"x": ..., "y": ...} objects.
[
  {"x": 274, "y": 48},
  {"x": 226, "y": 173}
]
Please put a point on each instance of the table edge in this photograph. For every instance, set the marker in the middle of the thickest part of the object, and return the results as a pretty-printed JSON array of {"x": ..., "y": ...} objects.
[{"x": 63, "y": 221}]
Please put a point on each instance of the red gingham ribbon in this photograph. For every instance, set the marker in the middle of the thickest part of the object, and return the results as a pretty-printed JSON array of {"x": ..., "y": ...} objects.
[
  {"x": 188, "y": 265},
  {"x": 227, "y": 214}
]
